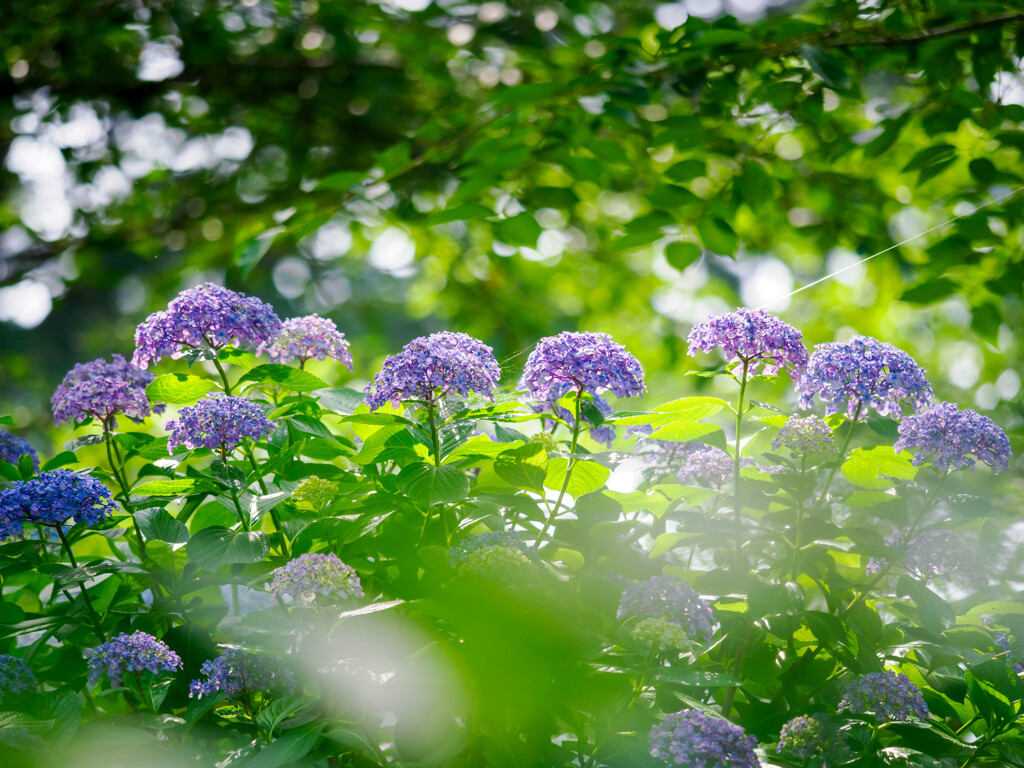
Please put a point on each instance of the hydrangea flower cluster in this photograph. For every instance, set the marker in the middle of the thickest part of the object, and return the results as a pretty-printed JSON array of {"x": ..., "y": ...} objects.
[
  {"x": 493, "y": 556},
  {"x": 755, "y": 337},
  {"x": 446, "y": 361},
  {"x": 696, "y": 740},
  {"x": 102, "y": 390},
  {"x": 889, "y": 695},
  {"x": 13, "y": 448},
  {"x": 588, "y": 362},
  {"x": 208, "y": 315},
  {"x": 952, "y": 439},
  {"x": 134, "y": 653},
  {"x": 708, "y": 465},
  {"x": 662, "y": 597},
  {"x": 864, "y": 373},
  {"x": 940, "y": 554},
  {"x": 314, "y": 574},
  {"x": 237, "y": 672},
  {"x": 51, "y": 498},
  {"x": 806, "y": 738},
  {"x": 218, "y": 421},
  {"x": 302, "y": 338},
  {"x": 314, "y": 492},
  {"x": 804, "y": 436},
  {"x": 1004, "y": 642},
  {"x": 15, "y": 677}
]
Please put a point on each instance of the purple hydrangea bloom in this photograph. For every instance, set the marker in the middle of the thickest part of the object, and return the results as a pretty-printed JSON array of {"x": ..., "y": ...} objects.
[
  {"x": 952, "y": 439},
  {"x": 134, "y": 653},
  {"x": 15, "y": 677},
  {"x": 696, "y": 740},
  {"x": 102, "y": 390},
  {"x": 804, "y": 436},
  {"x": 314, "y": 574},
  {"x": 943, "y": 554},
  {"x": 209, "y": 315},
  {"x": 755, "y": 337},
  {"x": 709, "y": 465},
  {"x": 1003, "y": 642},
  {"x": 588, "y": 362},
  {"x": 861, "y": 373},
  {"x": 889, "y": 695},
  {"x": 430, "y": 367},
  {"x": 806, "y": 738},
  {"x": 218, "y": 421},
  {"x": 237, "y": 672},
  {"x": 302, "y": 338},
  {"x": 664, "y": 597},
  {"x": 51, "y": 498},
  {"x": 13, "y": 447}
]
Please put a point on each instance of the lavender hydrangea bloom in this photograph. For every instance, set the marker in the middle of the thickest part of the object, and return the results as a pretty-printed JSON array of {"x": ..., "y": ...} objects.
[
  {"x": 315, "y": 574},
  {"x": 861, "y": 373},
  {"x": 302, "y": 338},
  {"x": 696, "y": 740},
  {"x": 446, "y": 361},
  {"x": 588, "y": 362},
  {"x": 950, "y": 555},
  {"x": 664, "y": 597},
  {"x": 889, "y": 695},
  {"x": 709, "y": 465},
  {"x": 218, "y": 421},
  {"x": 15, "y": 677},
  {"x": 51, "y": 498},
  {"x": 952, "y": 439},
  {"x": 209, "y": 315},
  {"x": 134, "y": 653},
  {"x": 804, "y": 436},
  {"x": 755, "y": 337},
  {"x": 102, "y": 390},
  {"x": 237, "y": 672},
  {"x": 13, "y": 448}
]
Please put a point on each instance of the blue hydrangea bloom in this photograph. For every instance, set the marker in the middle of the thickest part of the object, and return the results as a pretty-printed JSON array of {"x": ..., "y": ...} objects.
[
  {"x": 316, "y": 574},
  {"x": 209, "y": 315},
  {"x": 237, "y": 672},
  {"x": 13, "y": 447},
  {"x": 693, "y": 739},
  {"x": 952, "y": 439},
  {"x": 51, "y": 498},
  {"x": 755, "y": 337},
  {"x": 708, "y": 465},
  {"x": 15, "y": 677},
  {"x": 589, "y": 362},
  {"x": 864, "y": 373},
  {"x": 430, "y": 367},
  {"x": 102, "y": 390},
  {"x": 124, "y": 654},
  {"x": 664, "y": 597},
  {"x": 302, "y": 338},
  {"x": 888, "y": 695},
  {"x": 217, "y": 421},
  {"x": 804, "y": 436}
]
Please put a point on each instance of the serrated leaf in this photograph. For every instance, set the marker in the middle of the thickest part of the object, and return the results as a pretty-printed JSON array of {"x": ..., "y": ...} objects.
[
  {"x": 178, "y": 389},
  {"x": 870, "y": 467},
  {"x": 160, "y": 525},
  {"x": 285, "y": 376},
  {"x": 524, "y": 467},
  {"x": 434, "y": 485},
  {"x": 216, "y": 546},
  {"x": 181, "y": 487},
  {"x": 586, "y": 476}
]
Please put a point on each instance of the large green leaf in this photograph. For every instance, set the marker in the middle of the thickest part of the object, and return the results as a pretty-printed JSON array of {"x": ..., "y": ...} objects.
[
  {"x": 161, "y": 525},
  {"x": 285, "y": 377},
  {"x": 178, "y": 389},
  {"x": 434, "y": 485},
  {"x": 586, "y": 476},
  {"x": 524, "y": 467},
  {"x": 214, "y": 547},
  {"x": 872, "y": 467}
]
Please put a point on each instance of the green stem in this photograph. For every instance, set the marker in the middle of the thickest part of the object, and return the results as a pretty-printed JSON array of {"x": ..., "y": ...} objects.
[
  {"x": 568, "y": 469},
  {"x": 116, "y": 468},
  {"x": 223, "y": 373},
  {"x": 81, "y": 585},
  {"x": 251, "y": 455},
  {"x": 433, "y": 434},
  {"x": 841, "y": 457},
  {"x": 737, "y": 506}
]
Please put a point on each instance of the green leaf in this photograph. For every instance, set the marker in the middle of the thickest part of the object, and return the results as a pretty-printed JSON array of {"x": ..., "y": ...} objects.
[
  {"x": 287, "y": 750},
  {"x": 754, "y": 185},
  {"x": 524, "y": 467},
  {"x": 248, "y": 254},
  {"x": 931, "y": 161},
  {"x": 717, "y": 235},
  {"x": 182, "y": 487},
  {"x": 458, "y": 213},
  {"x": 280, "y": 710},
  {"x": 214, "y": 547},
  {"x": 682, "y": 253},
  {"x": 341, "y": 400},
  {"x": 62, "y": 459},
  {"x": 929, "y": 291},
  {"x": 870, "y": 467},
  {"x": 686, "y": 170},
  {"x": 521, "y": 229},
  {"x": 285, "y": 376},
  {"x": 434, "y": 485},
  {"x": 684, "y": 431},
  {"x": 693, "y": 408},
  {"x": 586, "y": 476},
  {"x": 826, "y": 66},
  {"x": 160, "y": 525},
  {"x": 178, "y": 389}
]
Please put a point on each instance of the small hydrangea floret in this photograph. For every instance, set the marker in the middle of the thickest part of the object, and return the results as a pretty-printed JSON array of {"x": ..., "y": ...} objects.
[
  {"x": 889, "y": 696},
  {"x": 103, "y": 390},
  {"x": 239, "y": 673},
  {"x": 431, "y": 367},
  {"x": 15, "y": 677},
  {"x": 664, "y": 597},
  {"x": 951, "y": 438},
  {"x": 804, "y": 436},
  {"x": 312, "y": 336},
  {"x": 218, "y": 422},
  {"x": 313, "y": 574},
  {"x": 208, "y": 316},
  {"x": 51, "y": 498},
  {"x": 692, "y": 739},
  {"x": 12, "y": 448},
  {"x": 861, "y": 373},
  {"x": 133, "y": 654},
  {"x": 753, "y": 337}
]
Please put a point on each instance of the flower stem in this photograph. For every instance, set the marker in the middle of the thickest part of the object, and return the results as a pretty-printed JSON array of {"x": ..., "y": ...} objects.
[
  {"x": 568, "y": 468},
  {"x": 116, "y": 468},
  {"x": 433, "y": 434},
  {"x": 737, "y": 505},
  {"x": 223, "y": 374},
  {"x": 81, "y": 585},
  {"x": 842, "y": 454},
  {"x": 248, "y": 451}
]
